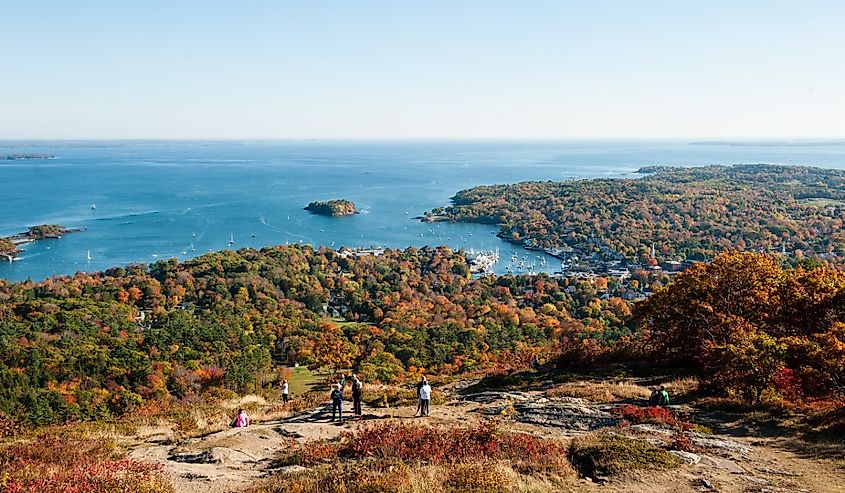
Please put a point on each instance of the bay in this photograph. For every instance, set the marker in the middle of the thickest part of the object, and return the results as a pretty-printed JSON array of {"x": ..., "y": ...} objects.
[{"x": 162, "y": 199}]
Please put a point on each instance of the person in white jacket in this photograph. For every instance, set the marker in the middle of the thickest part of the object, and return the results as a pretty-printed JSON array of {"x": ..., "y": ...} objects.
[
  {"x": 285, "y": 391},
  {"x": 425, "y": 399}
]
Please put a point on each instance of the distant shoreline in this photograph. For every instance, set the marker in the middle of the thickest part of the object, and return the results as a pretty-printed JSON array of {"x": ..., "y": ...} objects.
[{"x": 770, "y": 143}]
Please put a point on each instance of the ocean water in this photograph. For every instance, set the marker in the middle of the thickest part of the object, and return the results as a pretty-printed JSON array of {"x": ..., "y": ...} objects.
[{"x": 157, "y": 200}]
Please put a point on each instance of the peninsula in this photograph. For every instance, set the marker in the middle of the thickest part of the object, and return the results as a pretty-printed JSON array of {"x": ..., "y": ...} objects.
[
  {"x": 338, "y": 207},
  {"x": 9, "y": 245},
  {"x": 670, "y": 215}
]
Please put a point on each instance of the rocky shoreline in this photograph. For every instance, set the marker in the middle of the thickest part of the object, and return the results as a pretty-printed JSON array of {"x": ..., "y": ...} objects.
[
  {"x": 338, "y": 207},
  {"x": 9, "y": 245}
]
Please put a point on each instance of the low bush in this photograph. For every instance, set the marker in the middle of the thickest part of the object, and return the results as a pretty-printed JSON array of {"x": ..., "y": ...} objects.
[
  {"x": 74, "y": 465},
  {"x": 382, "y": 396},
  {"x": 607, "y": 454},
  {"x": 391, "y": 441},
  {"x": 9, "y": 427},
  {"x": 650, "y": 415}
]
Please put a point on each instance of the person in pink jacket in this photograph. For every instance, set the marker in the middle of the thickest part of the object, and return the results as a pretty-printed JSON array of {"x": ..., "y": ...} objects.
[{"x": 242, "y": 421}]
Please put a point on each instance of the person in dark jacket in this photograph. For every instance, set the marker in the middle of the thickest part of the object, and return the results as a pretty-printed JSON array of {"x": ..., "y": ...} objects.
[
  {"x": 337, "y": 403},
  {"x": 357, "y": 392},
  {"x": 654, "y": 398}
]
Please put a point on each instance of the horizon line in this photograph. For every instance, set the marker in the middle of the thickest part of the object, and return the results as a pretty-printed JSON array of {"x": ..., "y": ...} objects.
[{"x": 692, "y": 139}]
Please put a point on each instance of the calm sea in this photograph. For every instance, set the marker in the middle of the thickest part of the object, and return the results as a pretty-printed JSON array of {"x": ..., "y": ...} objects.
[{"x": 157, "y": 200}]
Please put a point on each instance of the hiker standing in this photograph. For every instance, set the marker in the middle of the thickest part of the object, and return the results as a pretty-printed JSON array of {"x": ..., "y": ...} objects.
[
  {"x": 425, "y": 399},
  {"x": 342, "y": 382},
  {"x": 357, "y": 388},
  {"x": 337, "y": 402},
  {"x": 663, "y": 397},
  {"x": 419, "y": 399},
  {"x": 285, "y": 391}
]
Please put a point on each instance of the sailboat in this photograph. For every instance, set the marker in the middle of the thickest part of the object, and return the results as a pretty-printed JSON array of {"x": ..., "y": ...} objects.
[
  {"x": 89, "y": 255},
  {"x": 93, "y": 207},
  {"x": 231, "y": 239}
]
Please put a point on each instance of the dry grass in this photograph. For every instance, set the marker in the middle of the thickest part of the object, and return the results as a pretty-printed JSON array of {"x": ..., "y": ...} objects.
[
  {"x": 602, "y": 391},
  {"x": 398, "y": 477},
  {"x": 681, "y": 387},
  {"x": 383, "y": 396},
  {"x": 201, "y": 420}
]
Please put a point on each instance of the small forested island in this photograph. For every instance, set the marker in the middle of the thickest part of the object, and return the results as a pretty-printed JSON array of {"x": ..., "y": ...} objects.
[
  {"x": 337, "y": 207},
  {"x": 28, "y": 156},
  {"x": 9, "y": 245},
  {"x": 671, "y": 213}
]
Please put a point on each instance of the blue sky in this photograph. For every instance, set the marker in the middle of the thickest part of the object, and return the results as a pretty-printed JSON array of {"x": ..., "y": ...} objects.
[{"x": 437, "y": 69}]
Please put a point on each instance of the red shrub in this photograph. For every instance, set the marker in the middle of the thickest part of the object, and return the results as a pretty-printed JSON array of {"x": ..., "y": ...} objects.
[
  {"x": 789, "y": 384},
  {"x": 64, "y": 465},
  {"x": 681, "y": 441},
  {"x": 414, "y": 443},
  {"x": 652, "y": 415},
  {"x": 411, "y": 442}
]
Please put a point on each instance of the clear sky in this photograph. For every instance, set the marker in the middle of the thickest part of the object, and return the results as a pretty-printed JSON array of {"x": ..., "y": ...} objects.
[{"x": 433, "y": 69}]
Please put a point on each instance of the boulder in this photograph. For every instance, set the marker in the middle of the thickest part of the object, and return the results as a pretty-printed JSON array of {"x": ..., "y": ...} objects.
[
  {"x": 565, "y": 412},
  {"x": 687, "y": 457},
  {"x": 722, "y": 444},
  {"x": 724, "y": 464},
  {"x": 204, "y": 457}
]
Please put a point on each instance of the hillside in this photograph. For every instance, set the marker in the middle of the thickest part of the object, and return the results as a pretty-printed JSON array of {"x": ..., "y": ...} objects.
[{"x": 131, "y": 377}]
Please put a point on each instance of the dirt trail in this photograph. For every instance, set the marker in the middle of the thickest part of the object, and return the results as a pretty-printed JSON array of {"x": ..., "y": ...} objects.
[{"x": 233, "y": 459}]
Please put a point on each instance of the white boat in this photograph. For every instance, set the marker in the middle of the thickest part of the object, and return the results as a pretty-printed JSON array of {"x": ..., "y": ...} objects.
[
  {"x": 231, "y": 239},
  {"x": 482, "y": 261},
  {"x": 89, "y": 255},
  {"x": 93, "y": 207}
]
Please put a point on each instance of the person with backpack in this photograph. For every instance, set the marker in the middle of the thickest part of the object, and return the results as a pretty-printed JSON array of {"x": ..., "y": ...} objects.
[
  {"x": 663, "y": 397},
  {"x": 357, "y": 393},
  {"x": 425, "y": 399},
  {"x": 337, "y": 402}
]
